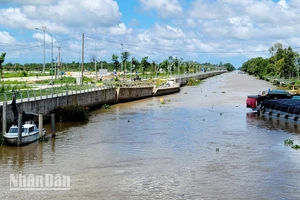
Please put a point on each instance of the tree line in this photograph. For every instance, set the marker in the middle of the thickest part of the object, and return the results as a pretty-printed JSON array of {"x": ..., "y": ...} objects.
[
  {"x": 283, "y": 63},
  {"x": 124, "y": 63}
]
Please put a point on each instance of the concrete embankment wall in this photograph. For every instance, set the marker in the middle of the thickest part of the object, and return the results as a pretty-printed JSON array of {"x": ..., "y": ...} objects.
[
  {"x": 183, "y": 81},
  {"x": 165, "y": 91},
  {"x": 45, "y": 106},
  {"x": 133, "y": 93},
  {"x": 97, "y": 98}
]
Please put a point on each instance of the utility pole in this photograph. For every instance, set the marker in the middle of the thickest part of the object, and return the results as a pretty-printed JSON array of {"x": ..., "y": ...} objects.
[
  {"x": 44, "y": 29},
  {"x": 122, "y": 64},
  {"x": 95, "y": 65},
  {"x": 59, "y": 61},
  {"x": 82, "y": 59},
  {"x": 131, "y": 69}
]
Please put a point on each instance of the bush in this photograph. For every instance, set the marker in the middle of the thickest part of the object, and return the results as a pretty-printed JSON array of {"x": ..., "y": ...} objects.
[
  {"x": 193, "y": 82},
  {"x": 73, "y": 113}
]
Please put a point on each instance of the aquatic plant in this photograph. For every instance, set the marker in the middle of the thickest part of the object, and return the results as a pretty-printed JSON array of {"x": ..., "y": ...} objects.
[
  {"x": 296, "y": 146},
  {"x": 2, "y": 141},
  {"x": 288, "y": 142},
  {"x": 194, "y": 82},
  {"x": 105, "y": 106},
  {"x": 44, "y": 138}
]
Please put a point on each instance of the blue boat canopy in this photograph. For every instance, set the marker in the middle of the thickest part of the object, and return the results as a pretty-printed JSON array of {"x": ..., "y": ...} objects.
[{"x": 278, "y": 92}]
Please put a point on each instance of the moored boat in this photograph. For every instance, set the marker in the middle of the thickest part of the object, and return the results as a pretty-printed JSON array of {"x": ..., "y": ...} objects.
[
  {"x": 254, "y": 101},
  {"x": 30, "y": 133},
  {"x": 276, "y": 103}
]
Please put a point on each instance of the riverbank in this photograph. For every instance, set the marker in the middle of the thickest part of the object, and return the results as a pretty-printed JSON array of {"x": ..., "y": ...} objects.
[
  {"x": 135, "y": 150},
  {"x": 96, "y": 97}
]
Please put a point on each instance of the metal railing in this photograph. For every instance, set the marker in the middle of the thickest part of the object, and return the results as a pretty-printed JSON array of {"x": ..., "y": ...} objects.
[
  {"x": 50, "y": 92},
  {"x": 46, "y": 91}
]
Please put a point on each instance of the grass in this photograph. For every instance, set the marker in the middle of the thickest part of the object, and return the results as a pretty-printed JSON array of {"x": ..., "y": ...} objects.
[
  {"x": 22, "y": 74},
  {"x": 12, "y": 88}
]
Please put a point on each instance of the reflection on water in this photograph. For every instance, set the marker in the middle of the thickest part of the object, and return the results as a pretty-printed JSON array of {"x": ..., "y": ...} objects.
[
  {"x": 146, "y": 150},
  {"x": 273, "y": 123}
]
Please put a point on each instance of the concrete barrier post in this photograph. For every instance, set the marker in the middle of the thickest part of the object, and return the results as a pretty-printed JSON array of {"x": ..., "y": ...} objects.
[
  {"x": 20, "y": 121},
  {"x": 53, "y": 125},
  {"x": 40, "y": 125},
  {"x": 4, "y": 118}
]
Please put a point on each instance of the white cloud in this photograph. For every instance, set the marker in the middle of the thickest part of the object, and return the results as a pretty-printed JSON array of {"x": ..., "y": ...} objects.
[
  {"x": 283, "y": 3},
  {"x": 28, "y": 2},
  {"x": 167, "y": 32},
  {"x": 40, "y": 37},
  {"x": 197, "y": 26},
  {"x": 6, "y": 38},
  {"x": 165, "y": 8},
  {"x": 120, "y": 29},
  {"x": 145, "y": 37},
  {"x": 63, "y": 16}
]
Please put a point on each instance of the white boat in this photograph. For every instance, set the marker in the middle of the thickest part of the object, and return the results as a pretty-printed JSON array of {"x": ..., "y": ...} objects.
[
  {"x": 30, "y": 133},
  {"x": 171, "y": 82}
]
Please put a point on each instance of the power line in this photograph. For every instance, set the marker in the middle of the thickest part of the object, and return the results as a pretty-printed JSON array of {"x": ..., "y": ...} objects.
[
  {"x": 35, "y": 46},
  {"x": 179, "y": 50}
]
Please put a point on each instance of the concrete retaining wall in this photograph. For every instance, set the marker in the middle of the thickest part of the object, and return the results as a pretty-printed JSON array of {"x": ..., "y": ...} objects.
[
  {"x": 99, "y": 97},
  {"x": 133, "y": 93},
  {"x": 183, "y": 81},
  {"x": 166, "y": 90},
  {"x": 45, "y": 106}
]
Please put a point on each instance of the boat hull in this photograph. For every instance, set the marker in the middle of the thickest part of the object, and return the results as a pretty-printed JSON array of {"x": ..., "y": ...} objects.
[
  {"x": 288, "y": 109},
  {"x": 13, "y": 141}
]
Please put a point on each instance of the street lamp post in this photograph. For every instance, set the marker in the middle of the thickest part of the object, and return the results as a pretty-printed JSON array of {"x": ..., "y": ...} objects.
[
  {"x": 95, "y": 65},
  {"x": 131, "y": 68},
  {"x": 44, "y": 31}
]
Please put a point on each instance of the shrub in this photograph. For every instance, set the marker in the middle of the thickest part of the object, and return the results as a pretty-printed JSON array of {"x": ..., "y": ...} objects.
[{"x": 73, "y": 113}]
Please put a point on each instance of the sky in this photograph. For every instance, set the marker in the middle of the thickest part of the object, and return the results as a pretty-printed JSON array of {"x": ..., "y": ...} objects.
[{"x": 212, "y": 31}]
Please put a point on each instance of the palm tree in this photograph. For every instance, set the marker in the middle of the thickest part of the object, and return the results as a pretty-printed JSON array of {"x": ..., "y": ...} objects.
[
  {"x": 114, "y": 58},
  {"x": 124, "y": 56}
]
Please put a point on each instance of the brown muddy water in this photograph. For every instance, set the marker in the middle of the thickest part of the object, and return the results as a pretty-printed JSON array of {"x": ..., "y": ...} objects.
[{"x": 148, "y": 150}]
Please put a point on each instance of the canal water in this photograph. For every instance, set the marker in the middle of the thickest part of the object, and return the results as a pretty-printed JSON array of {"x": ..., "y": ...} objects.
[{"x": 201, "y": 144}]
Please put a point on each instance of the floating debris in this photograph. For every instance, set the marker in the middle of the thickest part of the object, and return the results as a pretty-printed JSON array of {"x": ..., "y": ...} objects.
[
  {"x": 162, "y": 101},
  {"x": 217, "y": 149}
]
